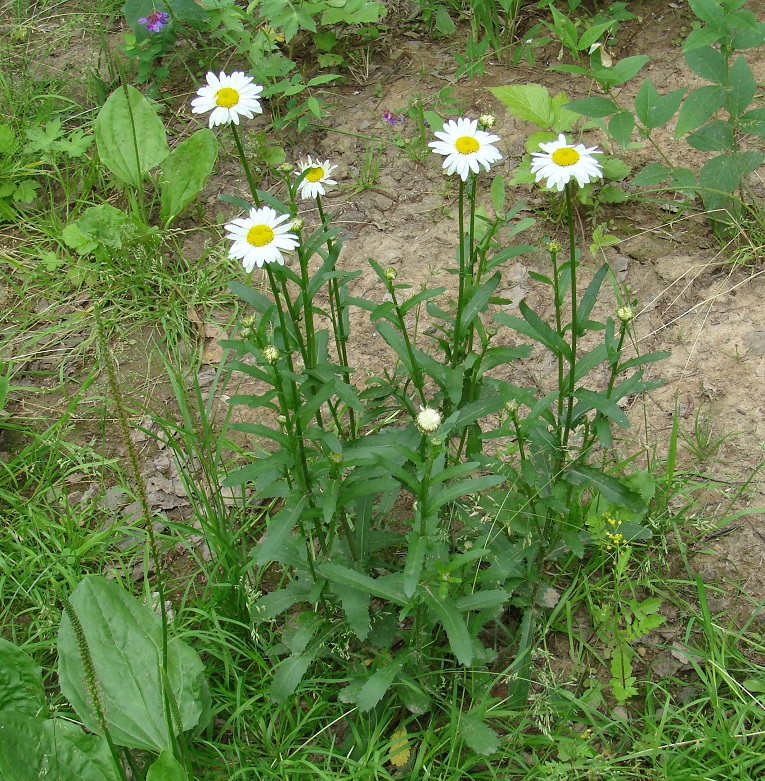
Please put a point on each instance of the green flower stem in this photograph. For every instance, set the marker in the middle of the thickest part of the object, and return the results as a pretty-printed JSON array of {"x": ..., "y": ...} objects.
[
  {"x": 337, "y": 312},
  {"x": 310, "y": 328},
  {"x": 456, "y": 351},
  {"x": 295, "y": 393},
  {"x": 245, "y": 164},
  {"x": 418, "y": 380},
  {"x": 559, "y": 329},
  {"x": 574, "y": 311}
]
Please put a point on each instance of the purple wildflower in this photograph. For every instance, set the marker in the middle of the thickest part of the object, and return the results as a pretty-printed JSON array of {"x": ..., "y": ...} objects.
[
  {"x": 156, "y": 21},
  {"x": 392, "y": 119}
]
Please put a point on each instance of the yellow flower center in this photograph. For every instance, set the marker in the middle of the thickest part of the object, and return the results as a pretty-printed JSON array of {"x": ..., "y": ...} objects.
[
  {"x": 466, "y": 145},
  {"x": 226, "y": 97},
  {"x": 565, "y": 156},
  {"x": 260, "y": 235},
  {"x": 315, "y": 174}
]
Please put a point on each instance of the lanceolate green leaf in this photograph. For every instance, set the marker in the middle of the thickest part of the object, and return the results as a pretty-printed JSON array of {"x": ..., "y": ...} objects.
[
  {"x": 130, "y": 136},
  {"x": 125, "y": 641},
  {"x": 478, "y": 735},
  {"x": 454, "y": 624},
  {"x": 185, "y": 171},
  {"x": 607, "y": 485},
  {"x": 378, "y": 683}
]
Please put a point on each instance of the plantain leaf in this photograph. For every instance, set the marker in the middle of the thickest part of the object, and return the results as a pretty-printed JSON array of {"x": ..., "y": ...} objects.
[
  {"x": 185, "y": 171},
  {"x": 52, "y": 750},
  {"x": 130, "y": 136},
  {"x": 125, "y": 641},
  {"x": 166, "y": 768},
  {"x": 21, "y": 684}
]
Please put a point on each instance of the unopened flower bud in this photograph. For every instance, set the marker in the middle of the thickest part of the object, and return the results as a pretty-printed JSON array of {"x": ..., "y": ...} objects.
[
  {"x": 271, "y": 354},
  {"x": 297, "y": 225},
  {"x": 491, "y": 331},
  {"x": 625, "y": 313},
  {"x": 281, "y": 419},
  {"x": 512, "y": 406},
  {"x": 390, "y": 273},
  {"x": 554, "y": 247},
  {"x": 486, "y": 121},
  {"x": 245, "y": 332},
  {"x": 428, "y": 420},
  {"x": 285, "y": 168},
  {"x": 248, "y": 321},
  {"x": 435, "y": 441},
  {"x": 336, "y": 458}
]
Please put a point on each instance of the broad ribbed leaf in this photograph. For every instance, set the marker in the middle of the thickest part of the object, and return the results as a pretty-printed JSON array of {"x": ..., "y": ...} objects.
[
  {"x": 125, "y": 641},
  {"x": 185, "y": 171},
  {"x": 21, "y": 684},
  {"x": 130, "y": 136},
  {"x": 166, "y": 768},
  {"x": 52, "y": 750}
]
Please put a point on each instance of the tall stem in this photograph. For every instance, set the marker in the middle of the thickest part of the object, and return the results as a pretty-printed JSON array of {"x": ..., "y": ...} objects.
[
  {"x": 338, "y": 319},
  {"x": 456, "y": 351},
  {"x": 559, "y": 329},
  {"x": 574, "y": 310},
  {"x": 245, "y": 164}
]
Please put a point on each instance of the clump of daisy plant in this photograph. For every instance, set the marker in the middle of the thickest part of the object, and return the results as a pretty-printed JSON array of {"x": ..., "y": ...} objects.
[
  {"x": 468, "y": 151},
  {"x": 562, "y": 166}
]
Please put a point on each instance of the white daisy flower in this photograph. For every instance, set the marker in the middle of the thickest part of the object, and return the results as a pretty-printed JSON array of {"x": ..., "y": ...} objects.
[
  {"x": 466, "y": 147},
  {"x": 317, "y": 176},
  {"x": 260, "y": 237},
  {"x": 559, "y": 162},
  {"x": 428, "y": 420},
  {"x": 227, "y": 97}
]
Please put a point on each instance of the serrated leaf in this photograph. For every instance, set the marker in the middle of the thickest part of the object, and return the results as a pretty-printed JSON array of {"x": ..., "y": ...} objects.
[
  {"x": 456, "y": 628},
  {"x": 377, "y": 685},
  {"x": 478, "y": 735},
  {"x": 289, "y": 673},
  {"x": 356, "y": 608},
  {"x": 529, "y": 102}
]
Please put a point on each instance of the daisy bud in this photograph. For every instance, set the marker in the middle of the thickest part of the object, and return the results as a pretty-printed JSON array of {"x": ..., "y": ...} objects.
[
  {"x": 270, "y": 354},
  {"x": 391, "y": 274},
  {"x": 625, "y": 313},
  {"x": 281, "y": 419},
  {"x": 297, "y": 225},
  {"x": 554, "y": 247},
  {"x": 428, "y": 420},
  {"x": 486, "y": 121}
]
